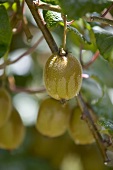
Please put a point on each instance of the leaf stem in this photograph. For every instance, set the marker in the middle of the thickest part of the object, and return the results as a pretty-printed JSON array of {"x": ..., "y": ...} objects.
[
  {"x": 89, "y": 120},
  {"x": 47, "y": 35}
]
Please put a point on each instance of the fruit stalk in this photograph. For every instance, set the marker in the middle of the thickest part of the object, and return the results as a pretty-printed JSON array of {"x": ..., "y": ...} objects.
[
  {"x": 47, "y": 35},
  {"x": 88, "y": 118},
  {"x": 65, "y": 31}
]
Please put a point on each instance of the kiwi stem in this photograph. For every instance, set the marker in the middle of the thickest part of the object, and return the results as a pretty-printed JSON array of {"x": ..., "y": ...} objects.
[
  {"x": 89, "y": 120},
  {"x": 45, "y": 6},
  {"x": 29, "y": 51},
  {"x": 46, "y": 33},
  {"x": 65, "y": 31}
]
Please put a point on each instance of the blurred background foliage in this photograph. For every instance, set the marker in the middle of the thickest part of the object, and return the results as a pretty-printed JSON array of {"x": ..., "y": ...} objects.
[{"x": 61, "y": 153}]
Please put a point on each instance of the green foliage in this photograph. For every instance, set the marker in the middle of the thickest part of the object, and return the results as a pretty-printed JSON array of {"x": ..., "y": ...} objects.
[
  {"x": 92, "y": 90},
  {"x": 5, "y": 31},
  {"x": 107, "y": 126},
  {"x": 104, "y": 40},
  {"x": 82, "y": 34},
  {"x": 76, "y": 9},
  {"x": 52, "y": 18},
  {"x": 104, "y": 108}
]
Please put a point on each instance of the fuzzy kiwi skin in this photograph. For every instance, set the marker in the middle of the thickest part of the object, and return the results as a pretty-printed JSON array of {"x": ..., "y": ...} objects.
[
  {"x": 12, "y": 133},
  {"x": 53, "y": 118},
  {"x": 78, "y": 129},
  {"x": 5, "y": 106},
  {"x": 63, "y": 76}
]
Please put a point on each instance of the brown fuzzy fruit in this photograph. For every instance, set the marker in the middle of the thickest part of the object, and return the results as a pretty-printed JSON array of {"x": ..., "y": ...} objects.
[
  {"x": 53, "y": 118},
  {"x": 63, "y": 76},
  {"x": 79, "y": 129},
  {"x": 13, "y": 132},
  {"x": 5, "y": 106}
]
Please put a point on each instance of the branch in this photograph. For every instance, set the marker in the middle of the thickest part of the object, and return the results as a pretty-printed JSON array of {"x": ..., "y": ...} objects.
[
  {"x": 47, "y": 35},
  {"x": 16, "y": 89},
  {"x": 88, "y": 118},
  {"x": 30, "y": 91}
]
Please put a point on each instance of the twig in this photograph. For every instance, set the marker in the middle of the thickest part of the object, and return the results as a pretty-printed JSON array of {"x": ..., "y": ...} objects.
[
  {"x": 30, "y": 91},
  {"x": 95, "y": 56},
  {"x": 87, "y": 117},
  {"x": 46, "y": 6},
  {"x": 26, "y": 28},
  {"x": 110, "y": 7},
  {"x": 16, "y": 89},
  {"x": 30, "y": 50},
  {"x": 47, "y": 35}
]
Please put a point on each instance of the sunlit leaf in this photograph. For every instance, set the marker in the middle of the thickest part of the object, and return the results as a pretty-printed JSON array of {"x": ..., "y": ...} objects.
[{"x": 82, "y": 35}]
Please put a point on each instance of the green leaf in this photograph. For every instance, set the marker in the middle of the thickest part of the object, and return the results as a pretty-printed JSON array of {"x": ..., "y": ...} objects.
[
  {"x": 104, "y": 108},
  {"x": 104, "y": 40},
  {"x": 106, "y": 126},
  {"x": 81, "y": 34},
  {"x": 92, "y": 89},
  {"x": 102, "y": 69},
  {"x": 78, "y": 8},
  {"x": 5, "y": 31},
  {"x": 80, "y": 37},
  {"x": 52, "y": 18}
]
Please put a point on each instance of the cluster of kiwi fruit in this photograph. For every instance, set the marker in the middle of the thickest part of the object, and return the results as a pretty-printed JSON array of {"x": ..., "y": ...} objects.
[
  {"x": 63, "y": 79},
  {"x": 55, "y": 118},
  {"x": 12, "y": 130}
]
